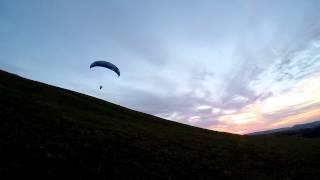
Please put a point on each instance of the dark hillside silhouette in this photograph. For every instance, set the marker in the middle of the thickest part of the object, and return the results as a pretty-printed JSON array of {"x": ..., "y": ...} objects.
[{"x": 52, "y": 133}]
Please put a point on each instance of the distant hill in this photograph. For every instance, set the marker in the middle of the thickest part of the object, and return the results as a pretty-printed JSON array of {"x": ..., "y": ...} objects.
[
  {"x": 48, "y": 132},
  {"x": 310, "y": 130}
]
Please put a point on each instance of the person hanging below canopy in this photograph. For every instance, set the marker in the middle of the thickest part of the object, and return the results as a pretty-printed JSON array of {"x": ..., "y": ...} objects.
[{"x": 105, "y": 64}]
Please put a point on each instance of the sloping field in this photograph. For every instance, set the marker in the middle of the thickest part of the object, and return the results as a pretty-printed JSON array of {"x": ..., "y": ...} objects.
[{"x": 51, "y": 133}]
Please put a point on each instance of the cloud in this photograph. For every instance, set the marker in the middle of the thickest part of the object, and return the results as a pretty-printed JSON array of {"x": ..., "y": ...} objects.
[
  {"x": 253, "y": 98},
  {"x": 299, "y": 103},
  {"x": 234, "y": 66}
]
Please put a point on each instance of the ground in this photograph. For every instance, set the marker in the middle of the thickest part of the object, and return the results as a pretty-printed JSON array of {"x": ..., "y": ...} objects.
[{"x": 52, "y": 133}]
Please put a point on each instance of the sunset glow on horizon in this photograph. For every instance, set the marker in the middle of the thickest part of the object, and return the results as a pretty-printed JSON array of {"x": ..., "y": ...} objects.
[{"x": 297, "y": 105}]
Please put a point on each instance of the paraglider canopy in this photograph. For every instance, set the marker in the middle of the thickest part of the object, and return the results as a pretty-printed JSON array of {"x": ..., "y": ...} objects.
[{"x": 106, "y": 64}]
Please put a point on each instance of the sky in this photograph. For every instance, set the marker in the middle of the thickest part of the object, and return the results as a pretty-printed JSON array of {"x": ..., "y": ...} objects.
[{"x": 237, "y": 66}]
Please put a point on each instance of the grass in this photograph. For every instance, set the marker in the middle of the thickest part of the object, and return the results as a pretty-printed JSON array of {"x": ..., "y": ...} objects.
[{"x": 52, "y": 133}]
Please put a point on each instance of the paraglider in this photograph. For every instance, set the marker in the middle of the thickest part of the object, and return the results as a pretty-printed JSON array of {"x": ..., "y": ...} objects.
[{"x": 106, "y": 64}]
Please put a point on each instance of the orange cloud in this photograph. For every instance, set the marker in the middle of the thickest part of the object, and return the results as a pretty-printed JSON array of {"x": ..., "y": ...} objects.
[
  {"x": 299, "y": 104},
  {"x": 299, "y": 118}
]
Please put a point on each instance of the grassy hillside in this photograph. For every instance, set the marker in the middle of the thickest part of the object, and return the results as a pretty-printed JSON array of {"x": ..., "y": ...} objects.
[
  {"x": 308, "y": 130},
  {"x": 51, "y": 133},
  {"x": 307, "y": 133}
]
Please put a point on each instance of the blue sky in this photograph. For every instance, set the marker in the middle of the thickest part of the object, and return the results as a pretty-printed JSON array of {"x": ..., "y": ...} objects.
[{"x": 236, "y": 66}]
